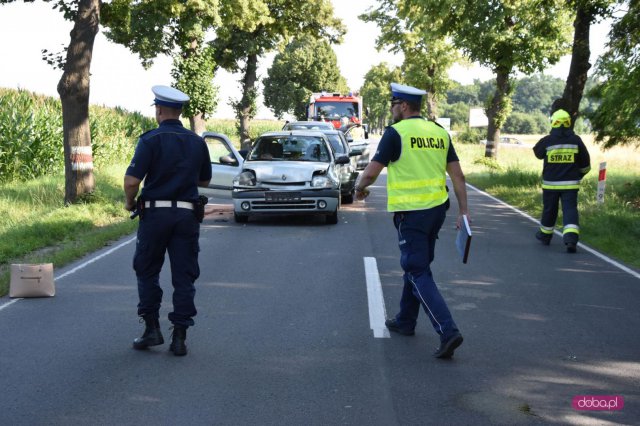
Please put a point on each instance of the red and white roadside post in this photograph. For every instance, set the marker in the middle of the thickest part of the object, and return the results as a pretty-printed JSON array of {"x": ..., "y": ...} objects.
[{"x": 602, "y": 178}]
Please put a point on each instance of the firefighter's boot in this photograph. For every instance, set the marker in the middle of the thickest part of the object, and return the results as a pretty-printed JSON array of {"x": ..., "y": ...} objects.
[{"x": 545, "y": 239}]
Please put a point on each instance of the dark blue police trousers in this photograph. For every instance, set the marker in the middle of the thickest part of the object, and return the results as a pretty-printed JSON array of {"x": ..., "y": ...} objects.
[
  {"x": 176, "y": 231},
  {"x": 417, "y": 235}
]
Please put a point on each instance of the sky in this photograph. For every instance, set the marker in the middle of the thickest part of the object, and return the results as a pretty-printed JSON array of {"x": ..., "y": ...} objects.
[{"x": 118, "y": 79}]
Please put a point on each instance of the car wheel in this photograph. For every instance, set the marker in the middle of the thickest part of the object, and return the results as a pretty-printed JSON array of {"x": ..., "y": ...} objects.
[
  {"x": 332, "y": 218},
  {"x": 240, "y": 218}
]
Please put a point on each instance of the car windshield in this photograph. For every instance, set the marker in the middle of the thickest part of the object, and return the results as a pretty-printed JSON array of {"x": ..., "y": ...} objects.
[
  {"x": 336, "y": 110},
  {"x": 290, "y": 148},
  {"x": 336, "y": 143}
]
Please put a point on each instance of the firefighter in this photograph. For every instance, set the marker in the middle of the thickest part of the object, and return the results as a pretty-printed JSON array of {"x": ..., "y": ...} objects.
[
  {"x": 417, "y": 153},
  {"x": 566, "y": 162}
]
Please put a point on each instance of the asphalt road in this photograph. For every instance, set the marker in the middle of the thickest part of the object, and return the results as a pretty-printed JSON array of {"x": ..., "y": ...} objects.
[{"x": 283, "y": 337}]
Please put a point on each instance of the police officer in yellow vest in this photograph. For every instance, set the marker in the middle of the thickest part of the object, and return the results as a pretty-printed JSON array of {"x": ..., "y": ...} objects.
[
  {"x": 417, "y": 153},
  {"x": 566, "y": 161}
]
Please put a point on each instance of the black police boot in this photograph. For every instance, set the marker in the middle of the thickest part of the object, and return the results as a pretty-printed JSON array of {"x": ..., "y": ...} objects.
[
  {"x": 178, "y": 337},
  {"x": 152, "y": 335},
  {"x": 571, "y": 247}
]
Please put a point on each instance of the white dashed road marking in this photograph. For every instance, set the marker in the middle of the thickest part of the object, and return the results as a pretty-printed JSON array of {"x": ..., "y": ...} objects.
[{"x": 377, "y": 311}]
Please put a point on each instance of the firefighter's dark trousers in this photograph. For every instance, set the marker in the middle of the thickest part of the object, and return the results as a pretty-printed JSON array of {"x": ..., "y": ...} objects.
[{"x": 570, "y": 222}]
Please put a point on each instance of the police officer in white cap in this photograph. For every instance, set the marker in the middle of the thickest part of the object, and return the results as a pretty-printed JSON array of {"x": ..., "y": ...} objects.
[
  {"x": 418, "y": 153},
  {"x": 173, "y": 162}
]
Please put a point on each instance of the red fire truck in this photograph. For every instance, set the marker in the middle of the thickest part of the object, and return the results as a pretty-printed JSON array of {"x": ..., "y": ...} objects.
[{"x": 334, "y": 106}]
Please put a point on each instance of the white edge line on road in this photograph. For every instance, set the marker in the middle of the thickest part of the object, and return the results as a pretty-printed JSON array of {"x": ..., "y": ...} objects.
[
  {"x": 582, "y": 246},
  {"x": 77, "y": 268},
  {"x": 377, "y": 311}
]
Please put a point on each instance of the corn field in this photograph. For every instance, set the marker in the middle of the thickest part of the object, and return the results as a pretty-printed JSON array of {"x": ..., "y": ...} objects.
[
  {"x": 31, "y": 138},
  {"x": 229, "y": 128}
]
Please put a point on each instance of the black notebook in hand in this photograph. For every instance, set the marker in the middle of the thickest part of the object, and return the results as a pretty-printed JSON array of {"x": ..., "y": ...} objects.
[{"x": 463, "y": 240}]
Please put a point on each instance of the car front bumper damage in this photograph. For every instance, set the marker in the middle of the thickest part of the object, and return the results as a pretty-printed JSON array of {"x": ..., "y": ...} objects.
[{"x": 307, "y": 201}]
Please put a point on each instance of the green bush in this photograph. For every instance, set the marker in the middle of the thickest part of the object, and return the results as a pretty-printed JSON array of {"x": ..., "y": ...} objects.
[
  {"x": 490, "y": 163},
  {"x": 469, "y": 135}
]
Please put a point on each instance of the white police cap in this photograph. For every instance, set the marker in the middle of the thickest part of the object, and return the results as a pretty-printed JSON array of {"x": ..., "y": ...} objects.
[
  {"x": 169, "y": 97},
  {"x": 400, "y": 91}
]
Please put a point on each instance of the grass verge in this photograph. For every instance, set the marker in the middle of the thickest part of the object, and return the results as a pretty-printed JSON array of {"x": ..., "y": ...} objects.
[{"x": 38, "y": 228}]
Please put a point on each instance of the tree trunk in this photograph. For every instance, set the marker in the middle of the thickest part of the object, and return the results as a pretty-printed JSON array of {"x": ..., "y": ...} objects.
[
  {"x": 73, "y": 89},
  {"x": 247, "y": 104},
  {"x": 577, "y": 78},
  {"x": 198, "y": 123},
  {"x": 496, "y": 113},
  {"x": 431, "y": 106}
]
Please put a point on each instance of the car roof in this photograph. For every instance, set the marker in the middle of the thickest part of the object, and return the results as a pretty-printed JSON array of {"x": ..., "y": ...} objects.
[
  {"x": 284, "y": 133},
  {"x": 309, "y": 123},
  {"x": 319, "y": 124}
]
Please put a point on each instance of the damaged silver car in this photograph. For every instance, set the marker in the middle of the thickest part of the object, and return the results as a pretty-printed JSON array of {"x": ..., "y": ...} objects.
[{"x": 289, "y": 172}]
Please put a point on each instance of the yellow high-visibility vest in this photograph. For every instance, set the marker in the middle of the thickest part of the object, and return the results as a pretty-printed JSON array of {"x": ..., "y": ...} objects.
[{"x": 417, "y": 180}]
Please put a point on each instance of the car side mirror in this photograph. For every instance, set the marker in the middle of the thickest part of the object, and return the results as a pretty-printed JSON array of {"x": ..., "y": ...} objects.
[
  {"x": 243, "y": 153},
  {"x": 228, "y": 160},
  {"x": 342, "y": 159},
  {"x": 355, "y": 151}
]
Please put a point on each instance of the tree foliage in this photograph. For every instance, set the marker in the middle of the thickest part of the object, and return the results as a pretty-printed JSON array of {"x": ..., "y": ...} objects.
[
  {"x": 254, "y": 28},
  {"x": 151, "y": 28},
  {"x": 427, "y": 54},
  {"x": 376, "y": 93},
  {"x": 536, "y": 93},
  {"x": 305, "y": 66},
  {"x": 585, "y": 13},
  {"x": 193, "y": 74},
  {"x": 616, "y": 120},
  {"x": 458, "y": 112},
  {"x": 176, "y": 28},
  {"x": 505, "y": 36}
]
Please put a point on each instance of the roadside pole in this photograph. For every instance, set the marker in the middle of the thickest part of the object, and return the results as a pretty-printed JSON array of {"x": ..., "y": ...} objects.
[{"x": 602, "y": 178}]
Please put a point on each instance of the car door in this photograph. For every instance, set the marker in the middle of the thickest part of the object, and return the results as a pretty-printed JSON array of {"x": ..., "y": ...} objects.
[{"x": 226, "y": 163}]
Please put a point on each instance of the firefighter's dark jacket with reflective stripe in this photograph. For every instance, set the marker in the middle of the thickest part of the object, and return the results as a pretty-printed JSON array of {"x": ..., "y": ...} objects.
[{"x": 566, "y": 159}]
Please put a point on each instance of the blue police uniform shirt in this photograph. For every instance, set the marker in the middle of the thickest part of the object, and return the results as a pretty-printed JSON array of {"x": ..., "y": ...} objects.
[
  {"x": 172, "y": 160},
  {"x": 390, "y": 147}
]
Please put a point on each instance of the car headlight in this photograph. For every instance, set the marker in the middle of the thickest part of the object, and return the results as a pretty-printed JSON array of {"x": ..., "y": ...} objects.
[
  {"x": 320, "y": 182},
  {"x": 246, "y": 178}
]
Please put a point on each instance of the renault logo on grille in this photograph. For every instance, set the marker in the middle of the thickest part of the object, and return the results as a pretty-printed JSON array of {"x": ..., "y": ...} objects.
[{"x": 284, "y": 177}]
